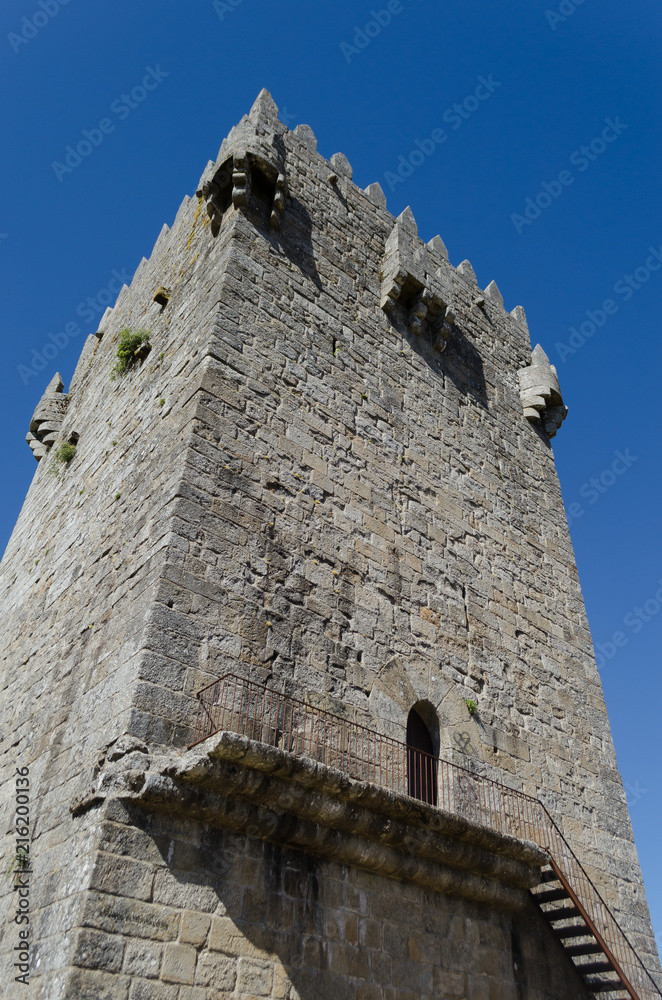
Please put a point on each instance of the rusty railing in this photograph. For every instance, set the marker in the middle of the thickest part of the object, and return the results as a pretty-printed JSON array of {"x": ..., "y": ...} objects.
[{"x": 267, "y": 716}]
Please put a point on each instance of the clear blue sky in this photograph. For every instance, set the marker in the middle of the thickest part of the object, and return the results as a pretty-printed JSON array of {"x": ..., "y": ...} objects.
[{"x": 551, "y": 85}]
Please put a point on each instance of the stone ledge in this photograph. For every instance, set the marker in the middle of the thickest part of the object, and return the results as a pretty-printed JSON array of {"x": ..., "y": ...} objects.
[{"x": 234, "y": 783}]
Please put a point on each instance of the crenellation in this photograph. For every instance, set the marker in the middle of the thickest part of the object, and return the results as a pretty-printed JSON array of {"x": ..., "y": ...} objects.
[
  {"x": 295, "y": 486},
  {"x": 376, "y": 195}
]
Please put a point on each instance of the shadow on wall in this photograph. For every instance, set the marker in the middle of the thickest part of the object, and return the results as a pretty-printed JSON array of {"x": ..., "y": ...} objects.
[
  {"x": 282, "y": 916},
  {"x": 460, "y": 362},
  {"x": 296, "y": 240}
]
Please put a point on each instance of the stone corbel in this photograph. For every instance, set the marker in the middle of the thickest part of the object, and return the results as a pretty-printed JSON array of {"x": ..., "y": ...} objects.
[
  {"x": 240, "y": 182},
  {"x": 278, "y": 209},
  {"x": 233, "y": 184},
  {"x": 541, "y": 394},
  {"x": 409, "y": 285}
]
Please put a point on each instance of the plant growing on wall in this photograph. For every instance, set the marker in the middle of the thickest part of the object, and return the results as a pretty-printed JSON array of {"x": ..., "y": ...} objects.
[
  {"x": 472, "y": 707},
  {"x": 65, "y": 453},
  {"x": 131, "y": 348}
]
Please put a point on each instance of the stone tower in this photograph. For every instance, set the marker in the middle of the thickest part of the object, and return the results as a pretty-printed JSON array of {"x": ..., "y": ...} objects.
[{"x": 299, "y": 697}]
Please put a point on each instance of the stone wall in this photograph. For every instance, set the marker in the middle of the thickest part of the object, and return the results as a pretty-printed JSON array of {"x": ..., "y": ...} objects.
[
  {"x": 80, "y": 578},
  {"x": 303, "y": 488},
  {"x": 203, "y": 914}
]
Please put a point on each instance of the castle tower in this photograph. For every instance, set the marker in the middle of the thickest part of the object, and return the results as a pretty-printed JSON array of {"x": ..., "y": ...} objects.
[{"x": 299, "y": 696}]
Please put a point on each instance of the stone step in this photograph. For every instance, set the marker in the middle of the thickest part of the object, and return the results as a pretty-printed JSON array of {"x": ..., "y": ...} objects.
[
  {"x": 577, "y": 930},
  {"x": 551, "y": 896},
  {"x": 561, "y": 913},
  {"x": 605, "y": 987},
  {"x": 592, "y": 968},
  {"x": 583, "y": 949}
]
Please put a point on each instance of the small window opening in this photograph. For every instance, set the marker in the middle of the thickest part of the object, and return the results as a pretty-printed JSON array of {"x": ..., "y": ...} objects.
[
  {"x": 162, "y": 297},
  {"x": 422, "y": 764}
]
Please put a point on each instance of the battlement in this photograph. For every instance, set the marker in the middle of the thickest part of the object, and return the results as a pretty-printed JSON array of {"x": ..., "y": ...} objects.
[
  {"x": 313, "y": 456},
  {"x": 265, "y": 173}
]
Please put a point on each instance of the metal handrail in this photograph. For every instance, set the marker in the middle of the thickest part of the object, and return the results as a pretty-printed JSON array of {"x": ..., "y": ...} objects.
[{"x": 267, "y": 716}]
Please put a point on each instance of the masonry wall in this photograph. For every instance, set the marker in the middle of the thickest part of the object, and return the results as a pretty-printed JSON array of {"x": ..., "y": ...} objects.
[
  {"x": 295, "y": 488},
  {"x": 78, "y": 585},
  {"x": 204, "y": 915},
  {"x": 379, "y": 526}
]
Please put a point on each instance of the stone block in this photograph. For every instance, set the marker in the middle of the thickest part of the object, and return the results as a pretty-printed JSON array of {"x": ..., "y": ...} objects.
[
  {"x": 96, "y": 950},
  {"x": 254, "y": 977},
  {"x": 152, "y": 989},
  {"x": 194, "y": 928},
  {"x": 130, "y": 917},
  {"x": 452, "y": 985},
  {"x": 142, "y": 959},
  {"x": 282, "y": 988},
  {"x": 370, "y": 933},
  {"x": 369, "y": 991},
  {"x": 178, "y": 964},
  {"x": 122, "y": 877},
  {"x": 83, "y": 984},
  {"x": 217, "y": 971},
  {"x": 180, "y": 893},
  {"x": 197, "y": 993}
]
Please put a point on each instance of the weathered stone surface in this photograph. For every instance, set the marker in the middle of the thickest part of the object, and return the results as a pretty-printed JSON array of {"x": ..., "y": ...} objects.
[
  {"x": 48, "y": 418},
  {"x": 142, "y": 959},
  {"x": 540, "y": 392},
  {"x": 195, "y": 928},
  {"x": 178, "y": 963},
  {"x": 299, "y": 488}
]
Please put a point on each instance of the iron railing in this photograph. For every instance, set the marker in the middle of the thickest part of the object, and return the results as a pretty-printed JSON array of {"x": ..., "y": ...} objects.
[{"x": 240, "y": 706}]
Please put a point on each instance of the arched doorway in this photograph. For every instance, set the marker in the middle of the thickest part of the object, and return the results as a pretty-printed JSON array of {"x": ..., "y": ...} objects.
[{"x": 421, "y": 760}]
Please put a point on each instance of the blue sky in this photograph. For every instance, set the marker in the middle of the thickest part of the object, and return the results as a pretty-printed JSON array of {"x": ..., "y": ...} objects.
[{"x": 548, "y": 85}]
